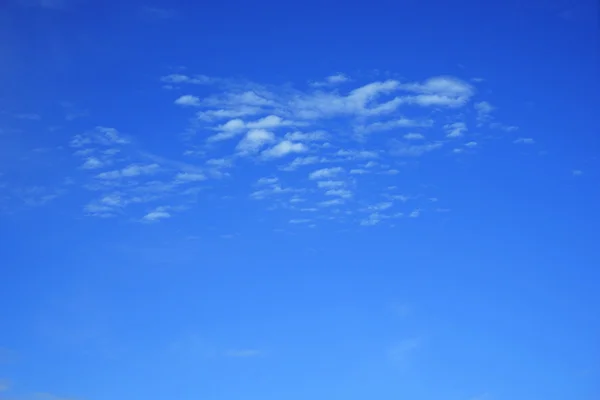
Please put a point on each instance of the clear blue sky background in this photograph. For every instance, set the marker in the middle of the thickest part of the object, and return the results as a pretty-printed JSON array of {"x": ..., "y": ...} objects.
[{"x": 299, "y": 200}]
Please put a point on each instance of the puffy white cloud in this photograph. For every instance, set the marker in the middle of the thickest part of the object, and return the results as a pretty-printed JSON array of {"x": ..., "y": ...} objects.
[
  {"x": 254, "y": 140},
  {"x": 284, "y": 148},
  {"x": 325, "y": 173},
  {"x": 269, "y": 122},
  {"x": 456, "y": 129},
  {"x": 92, "y": 163},
  {"x": 156, "y": 215},
  {"x": 188, "y": 100}
]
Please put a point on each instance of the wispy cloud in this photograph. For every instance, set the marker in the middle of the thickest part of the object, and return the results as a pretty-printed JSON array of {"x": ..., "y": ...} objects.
[
  {"x": 413, "y": 150},
  {"x": 524, "y": 141},
  {"x": 325, "y": 173},
  {"x": 157, "y": 214},
  {"x": 188, "y": 100}
]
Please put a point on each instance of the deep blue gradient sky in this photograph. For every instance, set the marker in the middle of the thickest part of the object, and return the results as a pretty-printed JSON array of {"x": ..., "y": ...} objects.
[{"x": 299, "y": 200}]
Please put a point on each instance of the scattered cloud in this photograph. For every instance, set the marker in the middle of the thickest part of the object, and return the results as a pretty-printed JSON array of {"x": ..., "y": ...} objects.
[
  {"x": 455, "y": 130},
  {"x": 524, "y": 141},
  {"x": 284, "y": 148},
  {"x": 404, "y": 149},
  {"x": 188, "y": 100},
  {"x": 302, "y": 161},
  {"x": 319, "y": 138},
  {"x": 157, "y": 214},
  {"x": 484, "y": 111},
  {"x": 315, "y": 136},
  {"x": 254, "y": 141},
  {"x": 325, "y": 173},
  {"x": 577, "y": 172},
  {"x": 130, "y": 171},
  {"x": 332, "y": 80},
  {"x": 414, "y": 136}
]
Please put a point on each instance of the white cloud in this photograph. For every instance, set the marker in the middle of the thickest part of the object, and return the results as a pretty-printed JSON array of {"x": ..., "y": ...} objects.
[
  {"x": 380, "y": 206},
  {"x": 137, "y": 169},
  {"x": 299, "y": 221},
  {"x": 267, "y": 181},
  {"x": 415, "y": 214},
  {"x": 414, "y": 136},
  {"x": 393, "y": 124},
  {"x": 306, "y": 137},
  {"x": 180, "y": 78},
  {"x": 524, "y": 141},
  {"x": 239, "y": 111},
  {"x": 577, "y": 172},
  {"x": 92, "y": 163},
  {"x": 330, "y": 184},
  {"x": 330, "y": 203},
  {"x": 456, "y": 129},
  {"x": 284, "y": 148},
  {"x": 187, "y": 177},
  {"x": 269, "y": 122},
  {"x": 130, "y": 171},
  {"x": 325, "y": 173},
  {"x": 484, "y": 111},
  {"x": 357, "y": 154},
  {"x": 372, "y": 219},
  {"x": 408, "y": 150},
  {"x": 343, "y": 193},
  {"x": 156, "y": 215},
  {"x": 188, "y": 100},
  {"x": 337, "y": 78},
  {"x": 219, "y": 162},
  {"x": 332, "y": 80},
  {"x": 358, "y": 102},
  {"x": 255, "y": 140},
  {"x": 302, "y": 161},
  {"x": 439, "y": 91},
  {"x": 358, "y": 171},
  {"x": 100, "y": 135},
  {"x": 471, "y": 144}
]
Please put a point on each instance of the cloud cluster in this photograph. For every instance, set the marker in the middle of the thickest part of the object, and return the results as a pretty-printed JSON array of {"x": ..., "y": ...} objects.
[{"x": 333, "y": 148}]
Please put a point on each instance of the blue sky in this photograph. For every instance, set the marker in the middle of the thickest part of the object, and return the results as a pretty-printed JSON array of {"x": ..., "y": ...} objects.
[{"x": 315, "y": 200}]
